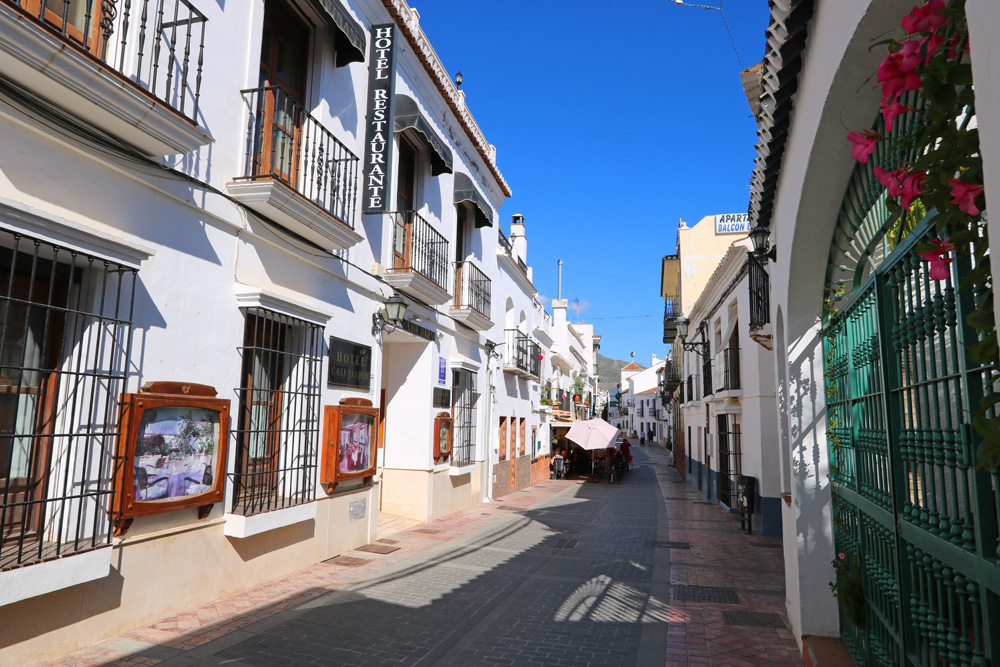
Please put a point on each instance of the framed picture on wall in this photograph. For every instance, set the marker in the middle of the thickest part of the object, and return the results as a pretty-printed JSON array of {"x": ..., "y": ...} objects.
[
  {"x": 350, "y": 440},
  {"x": 442, "y": 435},
  {"x": 171, "y": 453}
]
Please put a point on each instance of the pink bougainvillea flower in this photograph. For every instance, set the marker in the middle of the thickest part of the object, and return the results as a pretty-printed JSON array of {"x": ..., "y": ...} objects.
[
  {"x": 911, "y": 188},
  {"x": 936, "y": 258},
  {"x": 841, "y": 555},
  {"x": 903, "y": 183},
  {"x": 890, "y": 110},
  {"x": 864, "y": 144},
  {"x": 908, "y": 57},
  {"x": 894, "y": 80},
  {"x": 965, "y": 195},
  {"x": 925, "y": 18},
  {"x": 933, "y": 43}
]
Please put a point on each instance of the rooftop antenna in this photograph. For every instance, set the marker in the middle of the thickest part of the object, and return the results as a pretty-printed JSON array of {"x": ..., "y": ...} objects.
[{"x": 577, "y": 302}]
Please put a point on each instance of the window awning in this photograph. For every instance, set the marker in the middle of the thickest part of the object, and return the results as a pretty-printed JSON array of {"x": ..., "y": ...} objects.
[
  {"x": 465, "y": 190},
  {"x": 350, "y": 35},
  {"x": 408, "y": 117}
]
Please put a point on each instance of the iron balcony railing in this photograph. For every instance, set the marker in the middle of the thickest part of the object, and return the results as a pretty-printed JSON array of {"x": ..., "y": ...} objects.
[
  {"x": 504, "y": 244},
  {"x": 158, "y": 45},
  {"x": 760, "y": 293},
  {"x": 285, "y": 143},
  {"x": 672, "y": 374},
  {"x": 731, "y": 368},
  {"x": 419, "y": 248},
  {"x": 521, "y": 353},
  {"x": 706, "y": 375},
  {"x": 472, "y": 288}
]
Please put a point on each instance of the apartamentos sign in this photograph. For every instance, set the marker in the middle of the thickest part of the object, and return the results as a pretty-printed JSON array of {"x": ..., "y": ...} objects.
[
  {"x": 378, "y": 124},
  {"x": 732, "y": 223}
]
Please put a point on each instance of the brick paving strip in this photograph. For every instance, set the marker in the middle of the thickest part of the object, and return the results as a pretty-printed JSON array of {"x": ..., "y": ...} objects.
[{"x": 563, "y": 573}]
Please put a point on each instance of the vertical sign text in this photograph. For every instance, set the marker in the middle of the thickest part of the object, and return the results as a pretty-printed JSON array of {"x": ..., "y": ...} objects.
[{"x": 378, "y": 130}]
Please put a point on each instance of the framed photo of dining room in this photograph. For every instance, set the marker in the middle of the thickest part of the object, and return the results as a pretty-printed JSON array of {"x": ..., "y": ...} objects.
[
  {"x": 350, "y": 441},
  {"x": 171, "y": 451}
]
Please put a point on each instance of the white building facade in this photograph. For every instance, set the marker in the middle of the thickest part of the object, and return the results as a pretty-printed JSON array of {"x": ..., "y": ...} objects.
[
  {"x": 874, "y": 438},
  {"x": 228, "y": 215}
]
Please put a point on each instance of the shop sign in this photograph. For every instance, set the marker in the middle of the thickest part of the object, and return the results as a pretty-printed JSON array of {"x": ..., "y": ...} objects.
[
  {"x": 417, "y": 330},
  {"x": 378, "y": 124},
  {"x": 732, "y": 223},
  {"x": 350, "y": 364}
]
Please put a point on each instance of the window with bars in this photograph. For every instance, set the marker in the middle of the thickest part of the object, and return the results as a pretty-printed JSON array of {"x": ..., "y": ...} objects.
[
  {"x": 464, "y": 399},
  {"x": 65, "y": 340},
  {"x": 730, "y": 458},
  {"x": 278, "y": 418}
]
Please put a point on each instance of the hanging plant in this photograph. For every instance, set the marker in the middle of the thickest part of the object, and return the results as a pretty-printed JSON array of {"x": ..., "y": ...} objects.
[{"x": 944, "y": 177}]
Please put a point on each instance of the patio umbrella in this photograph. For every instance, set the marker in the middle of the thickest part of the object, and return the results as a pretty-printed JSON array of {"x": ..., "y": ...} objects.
[{"x": 593, "y": 434}]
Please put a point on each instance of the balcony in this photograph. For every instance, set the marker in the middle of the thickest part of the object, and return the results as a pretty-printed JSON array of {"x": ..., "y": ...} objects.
[
  {"x": 671, "y": 311},
  {"x": 731, "y": 369},
  {"x": 472, "y": 296},
  {"x": 520, "y": 355},
  {"x": 672, "y": 374},
  {"x": 131, "y": 69},
  {"x": 296, "y": 172},
  {"x": 419, "y": 258},
  {"x": 515, "y": 265},
  {"x": 760, "y": 302},
  {"x": 706, "y": 376}
]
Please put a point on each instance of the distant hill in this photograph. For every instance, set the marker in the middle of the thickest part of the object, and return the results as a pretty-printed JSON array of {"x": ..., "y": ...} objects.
[{"x": 609, "y": 371}]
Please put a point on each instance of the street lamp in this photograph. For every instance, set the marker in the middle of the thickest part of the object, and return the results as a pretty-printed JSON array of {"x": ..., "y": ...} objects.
[
  {"x": 759, "y": 237},
  {"x": 701, "y": 347},
  {"x": 395, "y": 309}
]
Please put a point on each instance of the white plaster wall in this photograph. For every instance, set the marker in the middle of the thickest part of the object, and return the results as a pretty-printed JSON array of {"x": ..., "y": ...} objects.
[{"x": 833, "y": 95}]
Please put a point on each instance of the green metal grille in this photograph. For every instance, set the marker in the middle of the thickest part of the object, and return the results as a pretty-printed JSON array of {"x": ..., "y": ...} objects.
[{"x": 910, "y": 504}]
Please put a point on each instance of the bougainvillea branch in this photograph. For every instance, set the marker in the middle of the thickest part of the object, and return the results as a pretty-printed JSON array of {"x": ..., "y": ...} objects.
[{"x": 945, "y": 175}]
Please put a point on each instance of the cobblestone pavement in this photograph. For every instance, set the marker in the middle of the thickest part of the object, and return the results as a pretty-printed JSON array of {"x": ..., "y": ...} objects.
[{"x": 565, "y": 573}]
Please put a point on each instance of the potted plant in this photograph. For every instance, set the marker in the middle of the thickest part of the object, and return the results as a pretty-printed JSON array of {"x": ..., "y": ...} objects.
[{"x": 579, "y": 383}]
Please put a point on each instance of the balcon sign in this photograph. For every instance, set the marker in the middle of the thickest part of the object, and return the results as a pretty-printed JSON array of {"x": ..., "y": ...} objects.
[
  {"x": 378, "y": 131},
  {"x": 732, "y": 223}
]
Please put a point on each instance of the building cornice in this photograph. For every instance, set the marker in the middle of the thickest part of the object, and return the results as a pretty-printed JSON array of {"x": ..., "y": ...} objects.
[
  {"x": 786, "y": 42},
  {"x": 408, "y": 21}
]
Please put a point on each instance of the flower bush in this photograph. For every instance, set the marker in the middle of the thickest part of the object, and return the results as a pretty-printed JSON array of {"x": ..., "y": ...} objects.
[
  {"x": 945, "y": 176},
  {"x": 848, "y": 589}
]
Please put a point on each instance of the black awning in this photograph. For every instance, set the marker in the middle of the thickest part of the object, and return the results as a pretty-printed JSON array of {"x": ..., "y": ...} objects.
[
  {"x": 350, "y": 35},
  {"x": 465, "y": 190},
  {"x": 408, "y": 118}
]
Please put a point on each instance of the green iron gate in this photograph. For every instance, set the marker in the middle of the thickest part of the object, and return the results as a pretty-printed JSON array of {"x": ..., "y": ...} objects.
[{"x": 910, "y": 506}]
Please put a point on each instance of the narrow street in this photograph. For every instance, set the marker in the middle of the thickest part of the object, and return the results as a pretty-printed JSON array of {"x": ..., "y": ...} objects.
[{"x": 564, "y": 573}]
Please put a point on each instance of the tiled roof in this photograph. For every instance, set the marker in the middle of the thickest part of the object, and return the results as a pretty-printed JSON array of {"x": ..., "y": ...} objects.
[
  {"x": 632, "y": 366},
  {"x": 786, "y": 41}
]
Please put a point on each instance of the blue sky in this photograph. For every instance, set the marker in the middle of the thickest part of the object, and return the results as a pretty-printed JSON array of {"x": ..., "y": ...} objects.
[{"x": 611, "y": 122}]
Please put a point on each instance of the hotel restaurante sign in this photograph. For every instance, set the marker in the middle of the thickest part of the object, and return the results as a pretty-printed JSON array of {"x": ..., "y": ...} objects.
[
  {"x": 350, "y": 364},
  {"x": 378, "y": 123}
]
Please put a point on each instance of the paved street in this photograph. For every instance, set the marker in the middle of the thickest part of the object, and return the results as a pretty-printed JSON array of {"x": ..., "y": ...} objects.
[{"x": 565, "y": 573}]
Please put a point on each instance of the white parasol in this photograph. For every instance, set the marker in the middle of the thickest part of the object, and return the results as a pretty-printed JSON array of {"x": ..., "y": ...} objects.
[{"x": 593, "y": 434}]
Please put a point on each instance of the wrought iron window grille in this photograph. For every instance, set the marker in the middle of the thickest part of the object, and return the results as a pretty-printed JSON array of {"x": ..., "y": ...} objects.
[
  {"x": 65, "y": 345},
  {"x": 277, "y": 434},
  {"x": 465, "y": 398}
]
